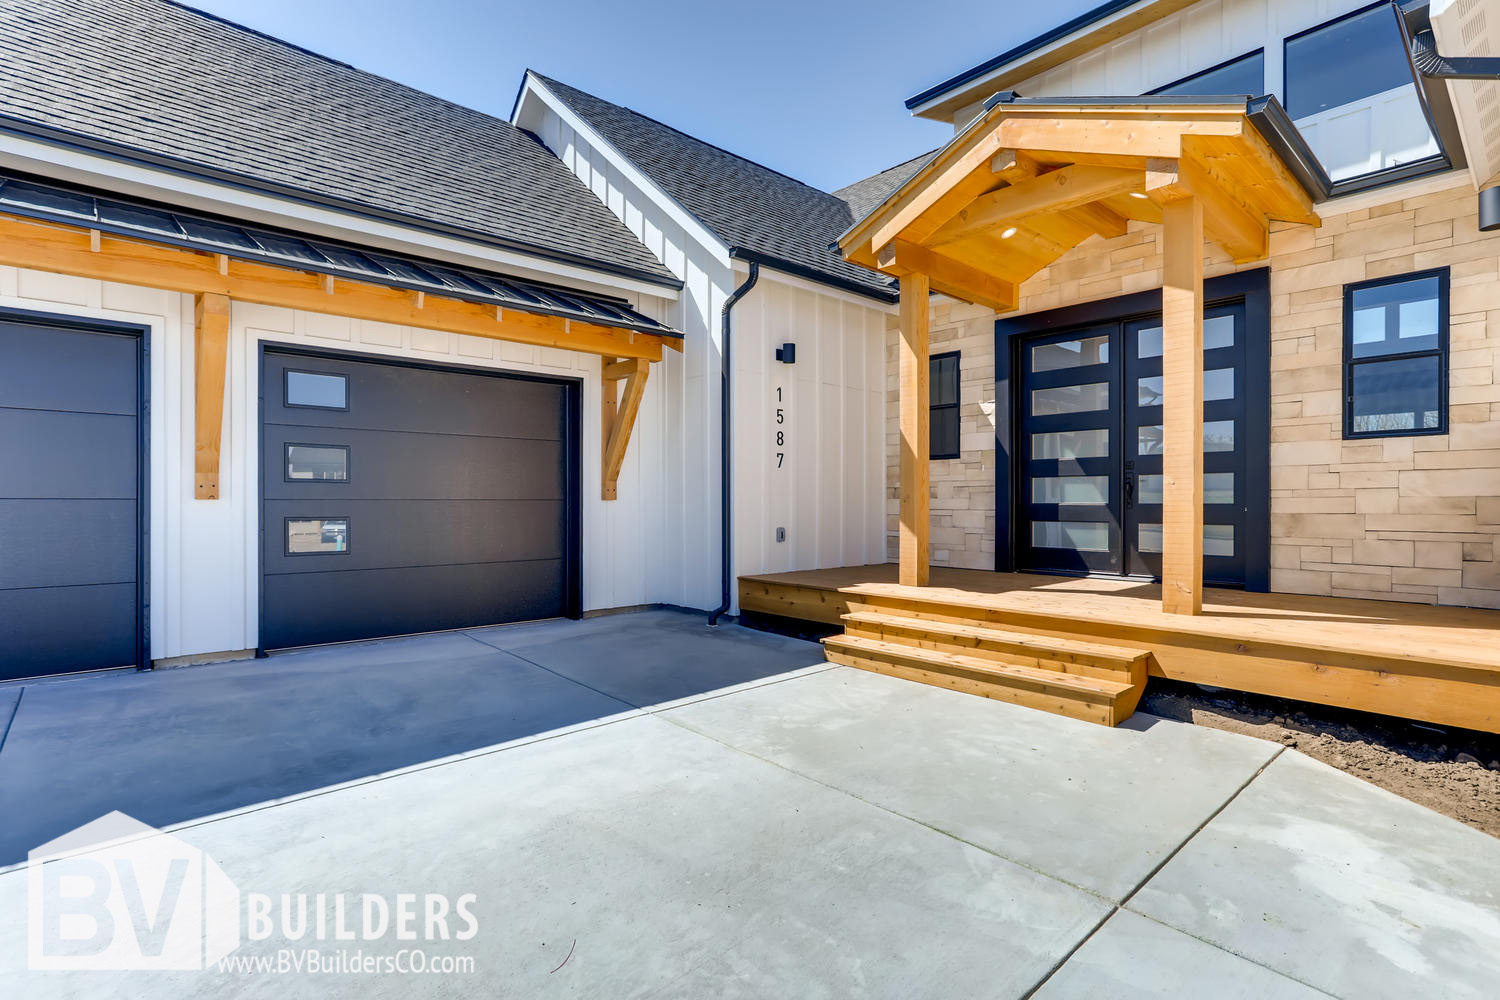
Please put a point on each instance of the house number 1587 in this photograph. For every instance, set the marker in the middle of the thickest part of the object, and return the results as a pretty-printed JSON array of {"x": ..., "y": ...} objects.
[{"x": 780, "y": 434}]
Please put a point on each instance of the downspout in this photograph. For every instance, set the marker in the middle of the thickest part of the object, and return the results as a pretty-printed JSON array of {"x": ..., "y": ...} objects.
[{"x": 724, "y": 455}]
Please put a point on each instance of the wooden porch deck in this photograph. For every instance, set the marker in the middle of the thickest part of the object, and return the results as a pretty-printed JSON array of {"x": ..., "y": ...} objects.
[{"x": 1436, "y": 664}]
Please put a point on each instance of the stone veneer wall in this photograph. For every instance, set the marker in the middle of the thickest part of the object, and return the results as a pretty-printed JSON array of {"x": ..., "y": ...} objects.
[{"x": 1410, "y": 519}]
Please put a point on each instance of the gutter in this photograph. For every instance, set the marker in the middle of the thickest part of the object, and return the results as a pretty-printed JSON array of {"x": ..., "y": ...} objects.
[
  {"x": 725, "y": 495},
  {"x": 754, "y": 257}
]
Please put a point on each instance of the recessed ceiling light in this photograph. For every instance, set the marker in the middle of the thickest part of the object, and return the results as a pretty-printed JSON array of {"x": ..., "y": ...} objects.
[
  {"x": 1008, "y": 233},
  {"x": 1138, "y": 194}
]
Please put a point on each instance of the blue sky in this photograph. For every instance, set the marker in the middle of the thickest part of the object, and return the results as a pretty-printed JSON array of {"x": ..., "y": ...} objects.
[{"x": 811, "y": 88}]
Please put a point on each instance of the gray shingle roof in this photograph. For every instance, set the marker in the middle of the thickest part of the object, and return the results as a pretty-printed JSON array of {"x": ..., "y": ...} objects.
[
  {"x": 748, "y": 206},
  {"x": 173, "y": 82},
  {"x": 863, "y": 197}
]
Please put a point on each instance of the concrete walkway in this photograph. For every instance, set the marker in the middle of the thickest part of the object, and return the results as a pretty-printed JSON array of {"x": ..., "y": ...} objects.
[{"x": 827, "y": 832}]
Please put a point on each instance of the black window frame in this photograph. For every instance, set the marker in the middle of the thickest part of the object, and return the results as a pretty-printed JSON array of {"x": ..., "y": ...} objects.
[
  {"x": 934, "y": 454},
  {"x": 1350, "y": 362},
  {"x": 1259, "y": 51},
  {"x": 286, "y": 384},
  {"x": 286, "y": 525},
  {"x": 1410, "y": 170},
  {"x": 286, "y": 462}
]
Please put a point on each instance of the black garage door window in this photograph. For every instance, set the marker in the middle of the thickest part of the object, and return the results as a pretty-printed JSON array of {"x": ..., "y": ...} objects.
[
  {"x": 72, "y": 495},
  {"x": 399, "y": 498}
]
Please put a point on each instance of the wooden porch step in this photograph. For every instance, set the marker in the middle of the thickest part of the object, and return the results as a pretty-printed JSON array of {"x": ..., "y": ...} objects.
[
  {"x": 1064, "y": 655},
  {"x": 1078, "y": 696}
]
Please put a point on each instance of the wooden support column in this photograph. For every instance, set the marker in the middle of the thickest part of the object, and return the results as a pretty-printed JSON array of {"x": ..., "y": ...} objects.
[
  {"x": 618, "y": 415},
  {"x": 210, "y": 357},
  {"x": 1182, "y": 371},
  {"x": 913, "y": 488}
]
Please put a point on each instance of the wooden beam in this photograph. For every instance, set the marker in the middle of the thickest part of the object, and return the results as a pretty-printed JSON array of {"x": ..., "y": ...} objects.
[
  {"x": 949, "y": 276},
  {"x": 947, "y": 187},
  {"x": 912, "y": 487},
  {"x": 1260, "y": 176},
  {"x": 1182, "y": 405},
  {"x": 1101, "y": 219},
  {"x": 210, "y": 357},
  {"x": 619, "y": 416},
  {"x": 1053, "y": 192},
  {"x": 616, "y": 370},
  {"x": 1242, "y": 230},
  {"x": 1015, "y": 166},
  {"x": 1122, "y": 136},
  {"x": 66, "y": 250}
]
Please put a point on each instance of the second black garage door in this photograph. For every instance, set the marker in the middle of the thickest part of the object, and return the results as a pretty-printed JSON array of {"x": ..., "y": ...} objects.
[
  {"x": 70, "y": 497},
  {"x": 400, "y": 499}
]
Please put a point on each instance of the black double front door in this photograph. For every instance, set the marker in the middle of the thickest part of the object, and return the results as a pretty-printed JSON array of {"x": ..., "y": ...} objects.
[{"x": 1090, "y": 448}]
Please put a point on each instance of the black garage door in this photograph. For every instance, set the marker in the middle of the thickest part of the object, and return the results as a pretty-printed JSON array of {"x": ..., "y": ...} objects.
[
  {"x": 70, "y": 498},
  {"x": 400, "y": 499}
]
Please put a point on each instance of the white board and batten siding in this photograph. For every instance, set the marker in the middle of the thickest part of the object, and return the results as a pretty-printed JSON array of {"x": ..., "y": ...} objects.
[
  {"x": 829, "y": 492},
  {"x": 809, "y": 437},
  {"x": 1381, "y": 131}
]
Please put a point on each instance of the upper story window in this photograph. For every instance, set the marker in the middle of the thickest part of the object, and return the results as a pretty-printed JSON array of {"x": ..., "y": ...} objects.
[
  {"x": 1350, "y": 91},
  {"x": 1245, "y": 75},
  {"x": 1396, "y": 355}
]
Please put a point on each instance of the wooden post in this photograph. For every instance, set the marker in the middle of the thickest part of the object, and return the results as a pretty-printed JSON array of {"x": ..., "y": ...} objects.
[
  {"x": 913, "y": 487},
  {"x": 1182, "y": 371},
  {"x": 210, "y": 357}
]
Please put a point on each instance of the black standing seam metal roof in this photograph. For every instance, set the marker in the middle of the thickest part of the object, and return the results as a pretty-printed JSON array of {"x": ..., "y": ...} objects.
[
  {"x": 158, "y": 224},
  {"x": 156, "y": 81},
  {"x": 759, "y": 213}
]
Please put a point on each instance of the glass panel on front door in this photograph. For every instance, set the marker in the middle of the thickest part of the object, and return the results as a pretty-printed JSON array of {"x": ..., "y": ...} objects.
[{"x": 1091, "y": 442}]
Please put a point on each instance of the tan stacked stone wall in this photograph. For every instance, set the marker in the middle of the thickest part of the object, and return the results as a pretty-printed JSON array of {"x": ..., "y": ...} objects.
[{"x": 1404, "y": 518}]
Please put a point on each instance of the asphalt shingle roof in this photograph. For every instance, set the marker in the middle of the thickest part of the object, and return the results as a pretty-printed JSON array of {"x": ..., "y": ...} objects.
[
  {"x": 174, "y": 82},
  {"x": 748, "y": 206},
  {"x": 863, "y": 197}
]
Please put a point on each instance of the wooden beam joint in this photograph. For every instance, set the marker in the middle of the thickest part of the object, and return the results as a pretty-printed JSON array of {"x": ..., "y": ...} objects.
[{"x": 618, "y": 415}]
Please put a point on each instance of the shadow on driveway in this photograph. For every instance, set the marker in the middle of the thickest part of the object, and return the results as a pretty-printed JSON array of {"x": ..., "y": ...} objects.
[{"x": 174, "y": 745}]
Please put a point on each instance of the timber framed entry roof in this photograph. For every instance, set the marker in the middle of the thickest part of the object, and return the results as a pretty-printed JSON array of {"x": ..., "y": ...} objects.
[
  {"x": 106, "y": 214},
  {"x": 1029, "y": 180}
]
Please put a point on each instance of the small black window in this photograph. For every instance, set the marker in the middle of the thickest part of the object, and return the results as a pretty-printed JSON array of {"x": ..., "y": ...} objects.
[
  {"x": 1245, "y": 75},
  {"x": 943, "y": 405},
  {"x": 316, "y": 389},
  {"x": 327, "y": 463},
  {"x": 1396, "y": 356}
]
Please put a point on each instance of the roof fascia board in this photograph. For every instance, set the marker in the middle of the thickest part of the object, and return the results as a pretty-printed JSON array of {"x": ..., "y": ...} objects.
[
  {"x": 1038, "y": 54},
  {"x": 773, "y": 272},
  {"x": 35, "y": 155},
  {"x": 674, "y": 209}
]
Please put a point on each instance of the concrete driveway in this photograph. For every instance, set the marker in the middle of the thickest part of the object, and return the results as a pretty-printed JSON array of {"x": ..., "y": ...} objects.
[{"x": 815, "y": 832}]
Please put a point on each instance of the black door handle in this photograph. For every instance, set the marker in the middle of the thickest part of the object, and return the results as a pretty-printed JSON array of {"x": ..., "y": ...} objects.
[{"x": 1129, "y": 490}]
